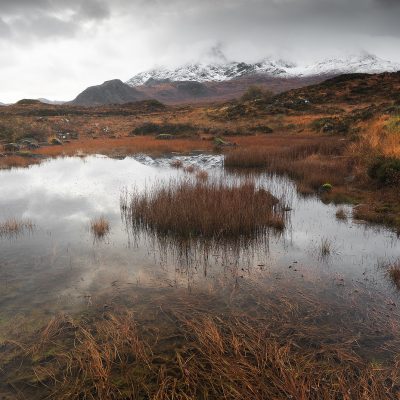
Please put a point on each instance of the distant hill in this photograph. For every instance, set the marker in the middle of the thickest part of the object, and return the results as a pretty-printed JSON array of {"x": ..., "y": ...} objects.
[
  {"x": 110, "y": 92},
  {"x": 47, "y": 101}
]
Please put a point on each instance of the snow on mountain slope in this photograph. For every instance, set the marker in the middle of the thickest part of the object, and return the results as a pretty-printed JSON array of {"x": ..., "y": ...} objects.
[
  {"x": 219, "y": 72},
  {"x": 211, "y": 72},
  {"x": 362, "y": 64}
]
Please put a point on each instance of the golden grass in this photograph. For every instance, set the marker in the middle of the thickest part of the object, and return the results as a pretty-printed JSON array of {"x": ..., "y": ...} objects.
[
  {"x": 13, "y": 227},
  {"x": 197, "y": 208},
  {"x": 7, "y": 162},
  {"x": 99, "y": 227}
]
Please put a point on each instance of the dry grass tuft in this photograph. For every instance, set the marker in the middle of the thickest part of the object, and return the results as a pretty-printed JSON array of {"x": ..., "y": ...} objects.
[
  {"x": 190, "y": 169},
  {"x": 341, "y": 214},
  {"x": 196, "y": 346},
  {"x": 176, "y": 164},
  {"x": 99, "y": 227},
  {"x": 394, "y": 274},
  {"x": 202, "y": 175},
  {"x": 197, "y": 208},
  {"x": 13, "y": 227},
  {"x": 325, "y": 248}
]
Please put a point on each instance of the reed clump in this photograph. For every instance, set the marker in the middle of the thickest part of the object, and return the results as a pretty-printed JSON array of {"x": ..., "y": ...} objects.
[
  {"x": 14, "y": 227},
  {"x": 198, "y": 208},
  {"x": 99, "y": 227}
]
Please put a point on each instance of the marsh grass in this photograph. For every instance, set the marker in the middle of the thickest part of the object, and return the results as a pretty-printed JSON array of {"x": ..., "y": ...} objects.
[
  {"x": 100, "y": 227},
  {"x": 341, "y": 214},
  {"x": 311, "y": 164},
  {"x": 202, "y": 175},
  {"x": 394, "y": 274},
  {"x": 176, "y": 164},
  {"x": 12, "y": 228},
  {"x": 168, "y": 345},
  {"x": 198, "y": 208},
  {"x": 325, "y": 248}
]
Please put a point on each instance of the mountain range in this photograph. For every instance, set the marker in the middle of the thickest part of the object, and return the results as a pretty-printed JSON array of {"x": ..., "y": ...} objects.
[
  {"x": 219, "y": 72},
  {"x": 199, "y": 82}
]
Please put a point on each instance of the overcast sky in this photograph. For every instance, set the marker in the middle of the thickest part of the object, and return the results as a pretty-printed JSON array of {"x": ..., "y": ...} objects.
[{"x": 56, "y": 48}]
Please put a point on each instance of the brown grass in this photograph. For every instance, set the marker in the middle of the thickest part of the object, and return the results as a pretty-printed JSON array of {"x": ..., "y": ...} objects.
[
  {"x": 202, "y": 175},
  {"x": 176, "y": 164},
  {"x": 197, "y": 208},
  {"x": 325, "y": 248},
  {"x": 7, "y": 162},
  {"x": 312, "y": 163},
  {"x": 196, "y": 346},
  {"x": 13, "y": 227},
  {"x": 99, "y": 227},
  {"x": 341, "y": 214},
  {"x": 126, "y": 146},
  {"x": 394, "y": 274}
]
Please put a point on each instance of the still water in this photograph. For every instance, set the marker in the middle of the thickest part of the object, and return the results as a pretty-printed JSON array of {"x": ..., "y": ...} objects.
[{"x": 60, "y": 267}]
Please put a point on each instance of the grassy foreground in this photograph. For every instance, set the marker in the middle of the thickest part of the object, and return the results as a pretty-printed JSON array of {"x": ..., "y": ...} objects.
[{"x": 232, "y": 342}]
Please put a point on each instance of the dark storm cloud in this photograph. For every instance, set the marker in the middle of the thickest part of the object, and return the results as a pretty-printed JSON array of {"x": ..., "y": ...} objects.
[
  {"x": 65, "y": 18},
  {"x": 49, "y": 18}
]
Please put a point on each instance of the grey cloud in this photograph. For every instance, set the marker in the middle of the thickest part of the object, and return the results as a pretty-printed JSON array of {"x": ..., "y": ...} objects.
[
  {"x": 75, "y": 43},
  {"x": 27, "y": 19}
]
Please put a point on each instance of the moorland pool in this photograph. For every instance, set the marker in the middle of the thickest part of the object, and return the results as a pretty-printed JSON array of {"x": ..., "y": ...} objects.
[{"x": 59, "y": 266}]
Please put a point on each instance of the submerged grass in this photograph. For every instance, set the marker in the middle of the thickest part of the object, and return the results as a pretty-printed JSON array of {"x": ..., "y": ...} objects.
[
  {"x": 199, "y": 208},
  {"x": 175, "y": 345}
]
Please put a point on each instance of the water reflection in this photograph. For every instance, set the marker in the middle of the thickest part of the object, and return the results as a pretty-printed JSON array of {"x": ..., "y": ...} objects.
[{"x": 59, "y": 265}]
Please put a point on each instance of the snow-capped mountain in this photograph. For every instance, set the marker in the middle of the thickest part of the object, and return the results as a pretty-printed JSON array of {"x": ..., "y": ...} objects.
[
  {"x": 212, "y": 72},
  {"x": 366, "y": 63},
  {"x": 219, "y": 72}
]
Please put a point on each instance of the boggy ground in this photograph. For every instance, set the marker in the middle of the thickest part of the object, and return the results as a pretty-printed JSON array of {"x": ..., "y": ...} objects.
[
  {"x": 342, "y": 133},
  {"x": 235, "y": 339}
]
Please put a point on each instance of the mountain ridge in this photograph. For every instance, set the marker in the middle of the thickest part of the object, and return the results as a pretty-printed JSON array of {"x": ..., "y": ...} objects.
[{"x": 220, "y": 72}]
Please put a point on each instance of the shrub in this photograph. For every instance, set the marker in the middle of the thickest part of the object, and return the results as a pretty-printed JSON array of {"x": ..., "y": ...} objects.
[
  {"x": 152, "y": 128},
  {"x": 326, "y": 187},
  {"x": 385, "y": 170}
]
